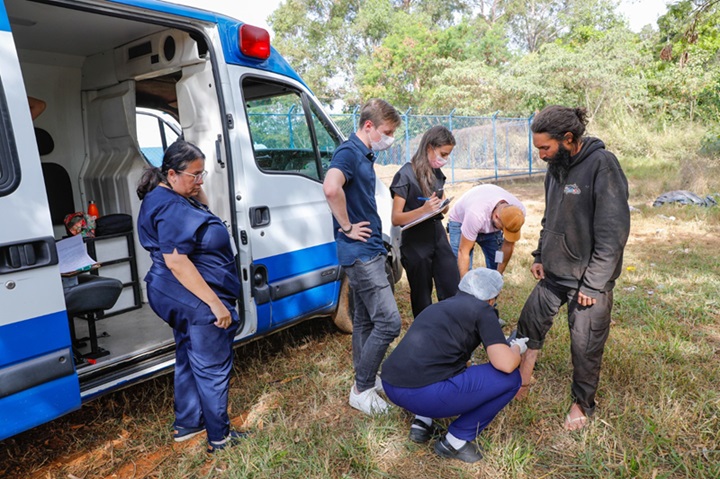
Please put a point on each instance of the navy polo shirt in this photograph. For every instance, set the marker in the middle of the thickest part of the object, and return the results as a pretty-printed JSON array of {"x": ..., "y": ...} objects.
[
  {"x": 167, "y": 222},
  {"x": 441, "y": 340},
  {"x": 356, "y": 162}
]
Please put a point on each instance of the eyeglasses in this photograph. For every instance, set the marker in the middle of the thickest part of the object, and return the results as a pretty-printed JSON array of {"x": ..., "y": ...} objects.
[{"x": 196, "y": 178}]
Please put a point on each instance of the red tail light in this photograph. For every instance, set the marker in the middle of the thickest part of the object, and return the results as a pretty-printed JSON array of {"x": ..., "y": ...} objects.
[{"x": 254, "y": 41}]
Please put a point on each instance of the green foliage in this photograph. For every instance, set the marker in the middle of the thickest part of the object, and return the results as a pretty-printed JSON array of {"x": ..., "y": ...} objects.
[
  {"x": 515, "y": 56},
  {"x": 710, "y": 144}
]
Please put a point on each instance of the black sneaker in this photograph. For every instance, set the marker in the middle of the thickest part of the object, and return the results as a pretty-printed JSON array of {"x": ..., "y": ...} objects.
[
  {"x": 423, "y": 432},
  {"x": 468, "y": 453},
  {"x": 233, "y": 438}
]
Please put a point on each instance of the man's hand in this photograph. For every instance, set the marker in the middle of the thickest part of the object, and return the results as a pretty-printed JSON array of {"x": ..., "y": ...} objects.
[
  {"x": 585, "y": 300},
  {"x": 358, "y": 231},
  {"x": 537, "y": 271}
]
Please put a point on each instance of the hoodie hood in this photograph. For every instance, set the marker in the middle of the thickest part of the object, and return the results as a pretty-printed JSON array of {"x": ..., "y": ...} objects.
[{"x": 589, "y": 146}]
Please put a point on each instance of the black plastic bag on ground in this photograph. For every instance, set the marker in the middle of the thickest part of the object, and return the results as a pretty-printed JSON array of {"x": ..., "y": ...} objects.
[{"x": 684, "y": 197}]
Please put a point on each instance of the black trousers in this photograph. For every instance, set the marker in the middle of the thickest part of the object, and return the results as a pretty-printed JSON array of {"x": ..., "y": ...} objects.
[
  {"x": 427, "y": 257},
  {"x": 589, "y": 330}
]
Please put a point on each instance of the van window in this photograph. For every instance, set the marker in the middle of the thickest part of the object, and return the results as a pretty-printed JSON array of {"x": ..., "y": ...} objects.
[
  {"x": 286, "y": 136},
  {"x": 9, "y": 162},
  {"x": 155, "y": 132}
]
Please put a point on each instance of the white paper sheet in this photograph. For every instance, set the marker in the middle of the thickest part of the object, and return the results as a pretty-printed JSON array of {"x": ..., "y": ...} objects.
[{"x": 72, "y": 254}]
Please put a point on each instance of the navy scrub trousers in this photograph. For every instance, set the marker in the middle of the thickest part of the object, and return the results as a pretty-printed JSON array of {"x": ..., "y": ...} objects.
[{"x": 203, "y": 362}]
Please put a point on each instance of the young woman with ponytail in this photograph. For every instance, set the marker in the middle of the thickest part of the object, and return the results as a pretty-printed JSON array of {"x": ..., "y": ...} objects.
[{"x": 418, "y": 189}]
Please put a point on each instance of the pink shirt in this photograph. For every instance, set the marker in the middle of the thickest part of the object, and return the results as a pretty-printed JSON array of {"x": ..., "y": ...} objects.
[{"x": 474, "y": 209}]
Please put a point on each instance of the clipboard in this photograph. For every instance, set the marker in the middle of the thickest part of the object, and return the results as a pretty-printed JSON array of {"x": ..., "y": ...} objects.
[{"x": 428, "y": 215}]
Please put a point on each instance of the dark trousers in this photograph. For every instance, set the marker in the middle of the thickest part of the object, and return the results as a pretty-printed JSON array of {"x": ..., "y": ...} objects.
[
  {"x": 376, "y": 319},
  {"x": 203, "y": 363},
  {"x": 589, "y": 329},
  {"x": 427, "y": 257},
  {"x": 476, "y": 396}
]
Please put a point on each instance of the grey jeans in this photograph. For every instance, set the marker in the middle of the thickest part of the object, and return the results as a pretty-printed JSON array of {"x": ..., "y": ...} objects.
[
  {"x": 589, "y": 329},
  {"x": 376, "y": 321}
]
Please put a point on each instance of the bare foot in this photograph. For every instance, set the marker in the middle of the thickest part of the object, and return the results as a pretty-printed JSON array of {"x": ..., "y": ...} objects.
[
  {"x": 522, "y": 392},
  {"x": 576, "y": 419}
]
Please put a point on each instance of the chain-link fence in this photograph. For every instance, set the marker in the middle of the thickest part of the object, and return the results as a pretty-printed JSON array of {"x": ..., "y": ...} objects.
[{"x": 488, "y": 147}]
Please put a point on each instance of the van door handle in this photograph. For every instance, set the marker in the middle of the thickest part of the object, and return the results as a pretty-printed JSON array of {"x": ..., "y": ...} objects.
[
  {"x": 218, "y": 151},
  {"x": 29, "y": 254},
  {"x": 259, "y": 216}
]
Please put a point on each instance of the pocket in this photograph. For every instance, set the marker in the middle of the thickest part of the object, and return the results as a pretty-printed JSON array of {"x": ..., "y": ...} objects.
[
  {"x": 175, "y": 292},
  {"x": 557, "y": 257}
]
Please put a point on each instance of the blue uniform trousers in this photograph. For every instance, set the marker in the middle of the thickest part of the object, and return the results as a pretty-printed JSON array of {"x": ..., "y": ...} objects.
[
  {"x": 203, "y": 363},
  {"x": 490, "y": 243},
  {"x": 476, "y": 396}
]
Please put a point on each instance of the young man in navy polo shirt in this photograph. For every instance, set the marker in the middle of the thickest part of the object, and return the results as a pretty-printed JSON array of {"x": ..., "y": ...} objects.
[{"x": 349, "y": 187}]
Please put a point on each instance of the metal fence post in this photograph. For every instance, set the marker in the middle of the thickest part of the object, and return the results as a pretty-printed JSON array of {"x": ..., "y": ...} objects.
[
  {"x": 354, "y": 119},
  {"x": 290, "y": 127},
  {"x": 407, "y": 135},
  {"x": 494, "y": 131},
  {"x": 530, "y": 155}
]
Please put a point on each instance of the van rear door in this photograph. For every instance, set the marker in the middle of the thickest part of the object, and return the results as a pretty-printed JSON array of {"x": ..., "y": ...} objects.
[{"x": 38, "y": 381}]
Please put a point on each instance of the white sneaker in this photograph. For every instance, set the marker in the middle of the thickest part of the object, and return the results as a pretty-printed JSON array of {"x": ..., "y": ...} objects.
[
  {"x": 378, "y": 385},
  {"x": 368, "y": 402}
]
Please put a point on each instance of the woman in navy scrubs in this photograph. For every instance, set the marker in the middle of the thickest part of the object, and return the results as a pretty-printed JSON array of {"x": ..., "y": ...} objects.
[
  {"x": 427, "y": 372},
  {"x": 193, "y": 286},
  {"x": 417, "y": 189}
]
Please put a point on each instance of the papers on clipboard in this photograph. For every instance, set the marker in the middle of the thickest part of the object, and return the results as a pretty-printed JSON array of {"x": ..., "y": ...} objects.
[
  {"x": 72, "y": 255},
  {"x": 429, "y": 215}
]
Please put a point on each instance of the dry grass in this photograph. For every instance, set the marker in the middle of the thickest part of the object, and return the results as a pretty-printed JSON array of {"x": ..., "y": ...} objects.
[{"x": 659, "y": 405}]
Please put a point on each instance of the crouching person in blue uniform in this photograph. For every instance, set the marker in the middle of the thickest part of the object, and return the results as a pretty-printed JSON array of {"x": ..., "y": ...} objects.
[
  {"x": 193, "y": 286},
  {"x": 427, "y": 373}
]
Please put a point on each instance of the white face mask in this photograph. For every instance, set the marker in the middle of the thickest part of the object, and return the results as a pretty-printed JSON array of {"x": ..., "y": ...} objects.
[
  {"x": 384, "y": 143},
  {"x": 439, "y": 161}
]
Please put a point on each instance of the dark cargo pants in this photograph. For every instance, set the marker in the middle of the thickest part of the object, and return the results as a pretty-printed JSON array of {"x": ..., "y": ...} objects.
[{"x": 589, "y": 329}]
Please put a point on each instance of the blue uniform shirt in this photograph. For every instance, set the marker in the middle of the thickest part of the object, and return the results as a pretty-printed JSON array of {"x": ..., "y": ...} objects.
[
  {"x": 168, "y": 221},
  {"x": 356, "y": 162}
]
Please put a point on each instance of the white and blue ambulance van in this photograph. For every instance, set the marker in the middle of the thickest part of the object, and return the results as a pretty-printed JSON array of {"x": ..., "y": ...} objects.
[{"x": 95, "y": 65}]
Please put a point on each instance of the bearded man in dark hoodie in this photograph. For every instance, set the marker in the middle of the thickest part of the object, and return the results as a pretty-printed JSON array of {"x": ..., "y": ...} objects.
[{"x": 579, "y": 255}]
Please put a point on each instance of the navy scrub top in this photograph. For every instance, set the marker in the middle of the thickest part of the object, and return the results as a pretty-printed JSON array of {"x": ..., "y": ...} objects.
[{"x": 169, "y": 221}]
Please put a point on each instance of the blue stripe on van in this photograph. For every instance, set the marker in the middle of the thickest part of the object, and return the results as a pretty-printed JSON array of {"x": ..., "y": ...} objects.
[
  {"x": 4, "y": 22},
  {"x": 33, "y": 337},
  {"x": 302, "y": 304},
  {"x": 38, "y": 405},
  {"x": 295, "y": 263}
]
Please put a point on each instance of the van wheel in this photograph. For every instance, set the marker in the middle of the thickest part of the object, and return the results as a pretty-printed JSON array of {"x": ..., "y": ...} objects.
[
  {"x": 343, "y": 316},
  {"x": 344, "y": 313}
]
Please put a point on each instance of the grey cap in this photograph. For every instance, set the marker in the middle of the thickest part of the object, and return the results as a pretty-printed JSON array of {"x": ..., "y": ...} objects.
[{"x": 483, "y": 283}]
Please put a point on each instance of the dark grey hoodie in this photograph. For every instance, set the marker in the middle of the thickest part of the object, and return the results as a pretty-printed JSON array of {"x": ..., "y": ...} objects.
[{"x": 586, "y": 222}]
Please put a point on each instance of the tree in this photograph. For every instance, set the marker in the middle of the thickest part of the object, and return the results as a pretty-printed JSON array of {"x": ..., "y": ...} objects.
[
  {"x": 535, "y": 22},
  {"x": 319, "y": 40}
]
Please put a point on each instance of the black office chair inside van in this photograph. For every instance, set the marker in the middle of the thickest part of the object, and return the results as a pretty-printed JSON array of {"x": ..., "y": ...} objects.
[{"x": 88, "y": 300}]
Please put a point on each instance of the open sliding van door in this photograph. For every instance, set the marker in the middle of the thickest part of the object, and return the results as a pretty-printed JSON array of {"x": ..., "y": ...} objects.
[{"x": 38, "y": 381}]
